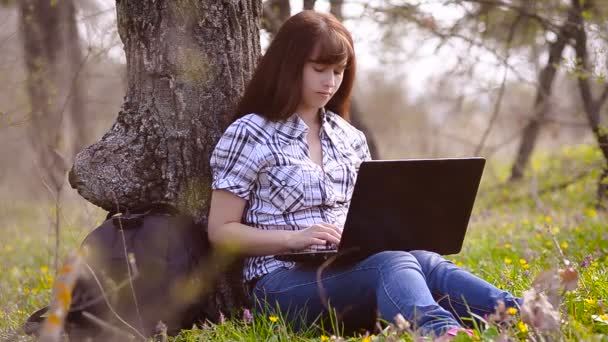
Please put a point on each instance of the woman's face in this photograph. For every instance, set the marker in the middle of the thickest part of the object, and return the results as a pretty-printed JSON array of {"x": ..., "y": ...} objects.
[{"x": 319, "y": 83}]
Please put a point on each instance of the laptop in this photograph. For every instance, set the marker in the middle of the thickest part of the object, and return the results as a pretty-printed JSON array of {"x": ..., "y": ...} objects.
[{"x": 405, "y": 205}]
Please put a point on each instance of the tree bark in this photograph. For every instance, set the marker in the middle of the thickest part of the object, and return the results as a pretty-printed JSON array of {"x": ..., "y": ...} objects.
[
  {"x": 187, "y": 64},
  {"x": 541, "y": 103}
]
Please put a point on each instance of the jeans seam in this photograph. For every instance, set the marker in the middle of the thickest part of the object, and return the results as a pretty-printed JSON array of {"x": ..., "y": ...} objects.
[
  {"x": 461, "y": 303},
  {"x": 390, "y": 297}
]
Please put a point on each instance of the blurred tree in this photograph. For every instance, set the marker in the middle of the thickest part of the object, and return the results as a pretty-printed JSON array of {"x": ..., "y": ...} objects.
[
  {"x": 53, "y": 60},
  {"x": 275, "y": 13},
  {"x": 528, "y": 28},
  {"x": 75, "y": 59},
  {"x": 308, "y": 4},
  {"x": 187, "y": 63},
  {"x": 584, "y": 12}
]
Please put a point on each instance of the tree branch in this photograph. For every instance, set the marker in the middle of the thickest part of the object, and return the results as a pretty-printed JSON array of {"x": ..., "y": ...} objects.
[
  {"x": 502, "y": 88},
  {"x": 544, "y": 22}
]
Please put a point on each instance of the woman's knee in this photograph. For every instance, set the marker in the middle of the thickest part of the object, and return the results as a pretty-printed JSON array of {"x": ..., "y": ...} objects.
[
  {"x": 429, "y": 261},
  {"x": 390, "y": 260}
]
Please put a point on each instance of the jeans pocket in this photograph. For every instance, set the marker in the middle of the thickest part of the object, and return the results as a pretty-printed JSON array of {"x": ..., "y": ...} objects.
[{"x": 286, "y": 188}]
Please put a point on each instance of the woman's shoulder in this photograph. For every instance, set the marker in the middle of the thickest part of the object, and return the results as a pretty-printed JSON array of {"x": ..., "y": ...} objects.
[
  {"x": 343, "y": 125},
  {"x": 252, "y": 123}
]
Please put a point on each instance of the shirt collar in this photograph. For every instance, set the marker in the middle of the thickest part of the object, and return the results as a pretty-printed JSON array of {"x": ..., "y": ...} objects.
[{"x": 294, "y": 126}]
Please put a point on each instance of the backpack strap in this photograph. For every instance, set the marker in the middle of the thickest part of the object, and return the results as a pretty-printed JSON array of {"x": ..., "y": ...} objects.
[
  {"x": 34, "y": 323},
  {"x": 149, "y": 208}
]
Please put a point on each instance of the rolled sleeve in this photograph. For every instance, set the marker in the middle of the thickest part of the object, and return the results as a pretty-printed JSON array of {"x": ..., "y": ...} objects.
[{"x": 234, "y": 163}]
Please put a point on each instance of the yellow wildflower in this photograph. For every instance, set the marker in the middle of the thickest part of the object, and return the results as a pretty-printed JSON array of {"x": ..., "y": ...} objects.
[
  {"x": 523, "y": 327},
  {"x": 44, "y": 269},
  {"x": 507, "y": 245},
  {"x": 604, "y": 317},
  {"x": 548, "y": 219},
  {"x": 590, "y": 301},
  {"x": 366, "y": 339},
  {"x": 273, "y": 318},
  {"x": 564, "y": 245},
  {"x": 526, "y": 266},
  {"x": 324, "y": 338},
  {"x": 508, "y": 261},
  {"x": 555, "y": 230},
  {"x": 578, "y": 229},
  {"x": 549, "y": 244},
  {"x": 591, "y": 212},
  {"x": 522, "y": 262},
  {"x": 512, "y": 311}
]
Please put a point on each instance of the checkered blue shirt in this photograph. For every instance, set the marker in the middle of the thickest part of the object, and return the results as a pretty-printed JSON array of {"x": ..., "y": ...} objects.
[{"x": 267, "y": 164}]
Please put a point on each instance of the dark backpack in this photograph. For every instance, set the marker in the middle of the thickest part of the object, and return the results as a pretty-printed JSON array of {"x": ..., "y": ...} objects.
[{"x": 166, "y": 254}]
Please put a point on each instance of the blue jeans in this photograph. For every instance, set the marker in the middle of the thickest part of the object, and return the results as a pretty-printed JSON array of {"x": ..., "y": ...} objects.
[{"x": 429, "y": 291}]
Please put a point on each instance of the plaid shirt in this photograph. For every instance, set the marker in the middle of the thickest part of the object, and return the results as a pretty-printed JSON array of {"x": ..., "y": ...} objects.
[{"x": 267, "y": 164}]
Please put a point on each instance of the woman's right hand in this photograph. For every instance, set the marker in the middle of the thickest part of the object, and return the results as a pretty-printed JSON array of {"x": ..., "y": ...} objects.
[{"x": 317, "y": 234}]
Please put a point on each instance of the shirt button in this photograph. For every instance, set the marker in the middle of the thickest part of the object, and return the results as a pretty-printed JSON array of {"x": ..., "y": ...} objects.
[{"x": 283, "y": 183}]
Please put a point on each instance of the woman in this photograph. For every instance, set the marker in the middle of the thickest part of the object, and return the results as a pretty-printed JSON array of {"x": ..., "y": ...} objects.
[{"x": 283, "y": 176}]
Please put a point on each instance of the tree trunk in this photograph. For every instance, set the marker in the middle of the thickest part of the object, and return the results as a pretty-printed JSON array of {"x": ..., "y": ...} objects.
[
  {"x": 78, "y": 114},
  {"x": 274, "y": 15},
  {"x": 43, "y": 53},
  {"x": 541, "y": 106},
  {"x": 187, "y": 64},
  {"x": 591, "y": 106},
  {"x": 335, "y": 8},
  {"x": 309, "y": 4},
  {"x": 355, "y": 118}
]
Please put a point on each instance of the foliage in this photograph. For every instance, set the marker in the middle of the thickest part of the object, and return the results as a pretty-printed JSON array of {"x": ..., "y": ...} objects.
[{"x": 513, "y": 236}]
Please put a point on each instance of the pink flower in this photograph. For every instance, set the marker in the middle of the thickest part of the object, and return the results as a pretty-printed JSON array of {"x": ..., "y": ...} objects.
[{"x": 247, "y": 317}]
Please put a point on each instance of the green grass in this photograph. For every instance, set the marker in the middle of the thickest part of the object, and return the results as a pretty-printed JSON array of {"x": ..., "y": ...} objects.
[{"x": 511, "y": 239}]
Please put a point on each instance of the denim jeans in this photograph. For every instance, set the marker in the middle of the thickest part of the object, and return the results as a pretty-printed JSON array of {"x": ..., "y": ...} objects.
[{"x": 429, "y": 291}]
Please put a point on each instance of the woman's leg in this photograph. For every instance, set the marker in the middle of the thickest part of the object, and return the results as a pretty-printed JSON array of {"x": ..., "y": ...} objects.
[
  {"x": 458, "y": 290},
  {"x": 392, "y": 281}
]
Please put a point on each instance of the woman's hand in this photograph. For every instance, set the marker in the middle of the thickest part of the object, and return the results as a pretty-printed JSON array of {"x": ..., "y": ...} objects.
[{"x": 317, "y": 234}]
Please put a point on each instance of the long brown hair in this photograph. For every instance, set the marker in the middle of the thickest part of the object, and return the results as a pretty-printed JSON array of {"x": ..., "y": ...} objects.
[{"x": 275, "y": 90}]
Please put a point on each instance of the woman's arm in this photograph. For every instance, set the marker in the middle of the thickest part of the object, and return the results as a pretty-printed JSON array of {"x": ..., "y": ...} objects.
[{"x": 227, "y": 232}]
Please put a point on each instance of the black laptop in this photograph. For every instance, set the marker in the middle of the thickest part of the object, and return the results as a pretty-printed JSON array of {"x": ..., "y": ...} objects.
[{"x": 405, "y": 205}]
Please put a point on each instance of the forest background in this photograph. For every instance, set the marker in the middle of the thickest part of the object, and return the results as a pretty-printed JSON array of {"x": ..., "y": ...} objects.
[{"x": 495, "y": 78}]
